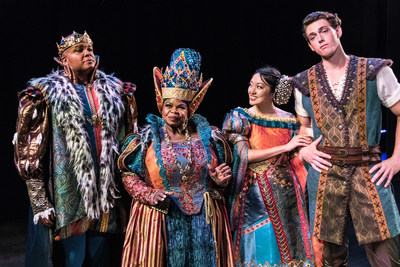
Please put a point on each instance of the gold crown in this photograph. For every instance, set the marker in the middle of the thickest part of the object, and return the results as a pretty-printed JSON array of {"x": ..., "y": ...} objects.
[{"x": 73, "y": 39}]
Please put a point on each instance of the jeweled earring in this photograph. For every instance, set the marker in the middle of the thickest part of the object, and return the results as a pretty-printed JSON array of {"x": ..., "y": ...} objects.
[{"x": 183, "y": 127}]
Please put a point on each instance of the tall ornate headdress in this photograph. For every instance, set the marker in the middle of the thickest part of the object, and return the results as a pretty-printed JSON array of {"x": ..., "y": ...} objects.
[
  {"x": 181, "y": 80},
  {"x": 72, "y": 39}
]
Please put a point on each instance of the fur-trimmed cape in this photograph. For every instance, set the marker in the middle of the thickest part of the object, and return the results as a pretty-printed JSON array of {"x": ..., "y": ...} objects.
[{"x": 97, "y": 193}]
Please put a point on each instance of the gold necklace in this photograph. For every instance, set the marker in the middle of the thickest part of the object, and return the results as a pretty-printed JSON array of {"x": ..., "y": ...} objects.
[
  {"x": 96, "y": 117},
  {"x": 184, "y": 171}
]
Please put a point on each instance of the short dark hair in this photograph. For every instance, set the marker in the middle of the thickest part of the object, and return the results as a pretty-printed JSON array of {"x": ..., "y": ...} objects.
[
  {"x": 332, "y": 18},
  {"x": 270, "y": 76}
]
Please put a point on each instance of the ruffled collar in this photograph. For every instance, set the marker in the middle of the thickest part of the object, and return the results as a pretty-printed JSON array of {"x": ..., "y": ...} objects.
[{"x": 269, "y": 121}]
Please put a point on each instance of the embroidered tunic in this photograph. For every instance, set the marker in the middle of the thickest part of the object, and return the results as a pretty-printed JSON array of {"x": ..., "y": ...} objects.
[
  {"x": 352, "y": 121},
  {"x": 190, "y": 228},
  {"x": 268, "y": 213}
]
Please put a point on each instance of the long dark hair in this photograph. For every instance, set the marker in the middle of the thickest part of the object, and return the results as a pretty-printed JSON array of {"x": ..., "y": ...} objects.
[{"x": 270, "y": 76}]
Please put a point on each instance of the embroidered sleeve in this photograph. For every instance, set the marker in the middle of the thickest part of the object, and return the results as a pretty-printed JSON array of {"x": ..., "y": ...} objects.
[
  {"x": 41, "y": 207},
  {"x": 221, "y": 146},
  {"x": 138, "y": 189},
  {"x": 31, "y": 137},
  {"x": 236, "y": 127},
  {"x": 223, "y": 152},
  {"x": 130, "y": 163},
  {"x": 31, "y": 145},
  {"x": 131, "y": 113},
  {"x": 130, "y": 159}
]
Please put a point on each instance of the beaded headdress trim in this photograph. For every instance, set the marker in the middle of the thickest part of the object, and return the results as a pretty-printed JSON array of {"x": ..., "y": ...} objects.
[
  {"x": 179, "y": 93},
  {"x": 194, "y": 101},
  {"x": 180, "y": 75}
]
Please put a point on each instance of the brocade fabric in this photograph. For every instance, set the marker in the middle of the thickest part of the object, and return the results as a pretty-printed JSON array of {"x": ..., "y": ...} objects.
[
  {"x": 268, "y": 211},
  {"x": 45, "y": 142},
  {"x": 345, "y": 192},
  {"x": 195, "y": 229}
]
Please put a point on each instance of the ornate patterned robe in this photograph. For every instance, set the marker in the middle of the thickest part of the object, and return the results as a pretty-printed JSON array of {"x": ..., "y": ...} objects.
[
  {"x": 267, "y": 203},
  {"x": 67, "y": 161},
  {"x": 189, "y": 228},
  {"x": 352, "y": 121}
]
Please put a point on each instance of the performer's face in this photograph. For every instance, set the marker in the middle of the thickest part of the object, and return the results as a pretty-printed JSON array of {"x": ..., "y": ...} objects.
[
  {"x": 174, "y": 112},
  {"x": 322, "y": 38},
  {"x": 80, "y": 58},
  {"x": 259, "y": 91}
]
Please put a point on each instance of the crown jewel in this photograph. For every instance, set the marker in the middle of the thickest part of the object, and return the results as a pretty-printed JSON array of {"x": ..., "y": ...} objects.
[{"x": 73, "y": 39}]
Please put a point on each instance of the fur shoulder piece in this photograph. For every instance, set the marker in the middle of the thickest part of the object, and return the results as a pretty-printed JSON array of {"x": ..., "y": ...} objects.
[
  {"x": 99, "y": 192},
  {"x": 43, "y": 83},
  {"x": 128, "y": 88},
  {"x": 374, "y": 65},
  {"x": 101, "y": 75},
  {"x": 300, "y": 81},
  {"x": 32, "y": 91}
]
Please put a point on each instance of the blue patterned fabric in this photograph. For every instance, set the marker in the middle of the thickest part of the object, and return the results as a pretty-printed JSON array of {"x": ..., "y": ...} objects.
[
  {"x": 188, "y": 197},
  {"x": 253, "y": 245},
  {"x": 258, "y": 235},
  {"x": 67, "y": 199},
  {"x": 202, "y": 128},
  {"x": 268, "y": 123},
  {"x": 190, "y": 239},
  {"x": 184, "y": 79},
  {"x": 66, "y": 196}
]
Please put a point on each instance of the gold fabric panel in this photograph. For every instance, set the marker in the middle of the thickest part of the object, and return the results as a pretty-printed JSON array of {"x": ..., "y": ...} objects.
[
  {"x": 37, "y": 195},
  {"x": 179, "y": 93}
]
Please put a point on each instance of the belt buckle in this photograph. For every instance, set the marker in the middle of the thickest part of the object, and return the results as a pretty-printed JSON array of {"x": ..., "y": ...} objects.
[
  {"x": 340, "y": 162},
  {"x": 342, "y": 153}
]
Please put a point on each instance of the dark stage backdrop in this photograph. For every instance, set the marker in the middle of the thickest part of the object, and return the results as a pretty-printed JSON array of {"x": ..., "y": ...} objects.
[{"x": 233, "y": 37}]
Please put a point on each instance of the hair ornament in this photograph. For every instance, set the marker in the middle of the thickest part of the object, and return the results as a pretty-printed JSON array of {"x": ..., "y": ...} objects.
[{"x": 283, "y": 90}]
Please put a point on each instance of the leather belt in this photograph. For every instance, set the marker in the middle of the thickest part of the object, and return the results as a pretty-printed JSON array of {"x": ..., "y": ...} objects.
[{"x": 342, "y": 156}]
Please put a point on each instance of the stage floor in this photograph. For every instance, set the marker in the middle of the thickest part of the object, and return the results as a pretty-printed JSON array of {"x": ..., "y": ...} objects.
[{"x": 13, "y": 238}]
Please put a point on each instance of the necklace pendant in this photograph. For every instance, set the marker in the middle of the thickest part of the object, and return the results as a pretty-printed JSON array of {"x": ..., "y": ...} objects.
[
  {"x": 183, "y": 170},
  {"x": 95, "y": 120}
]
